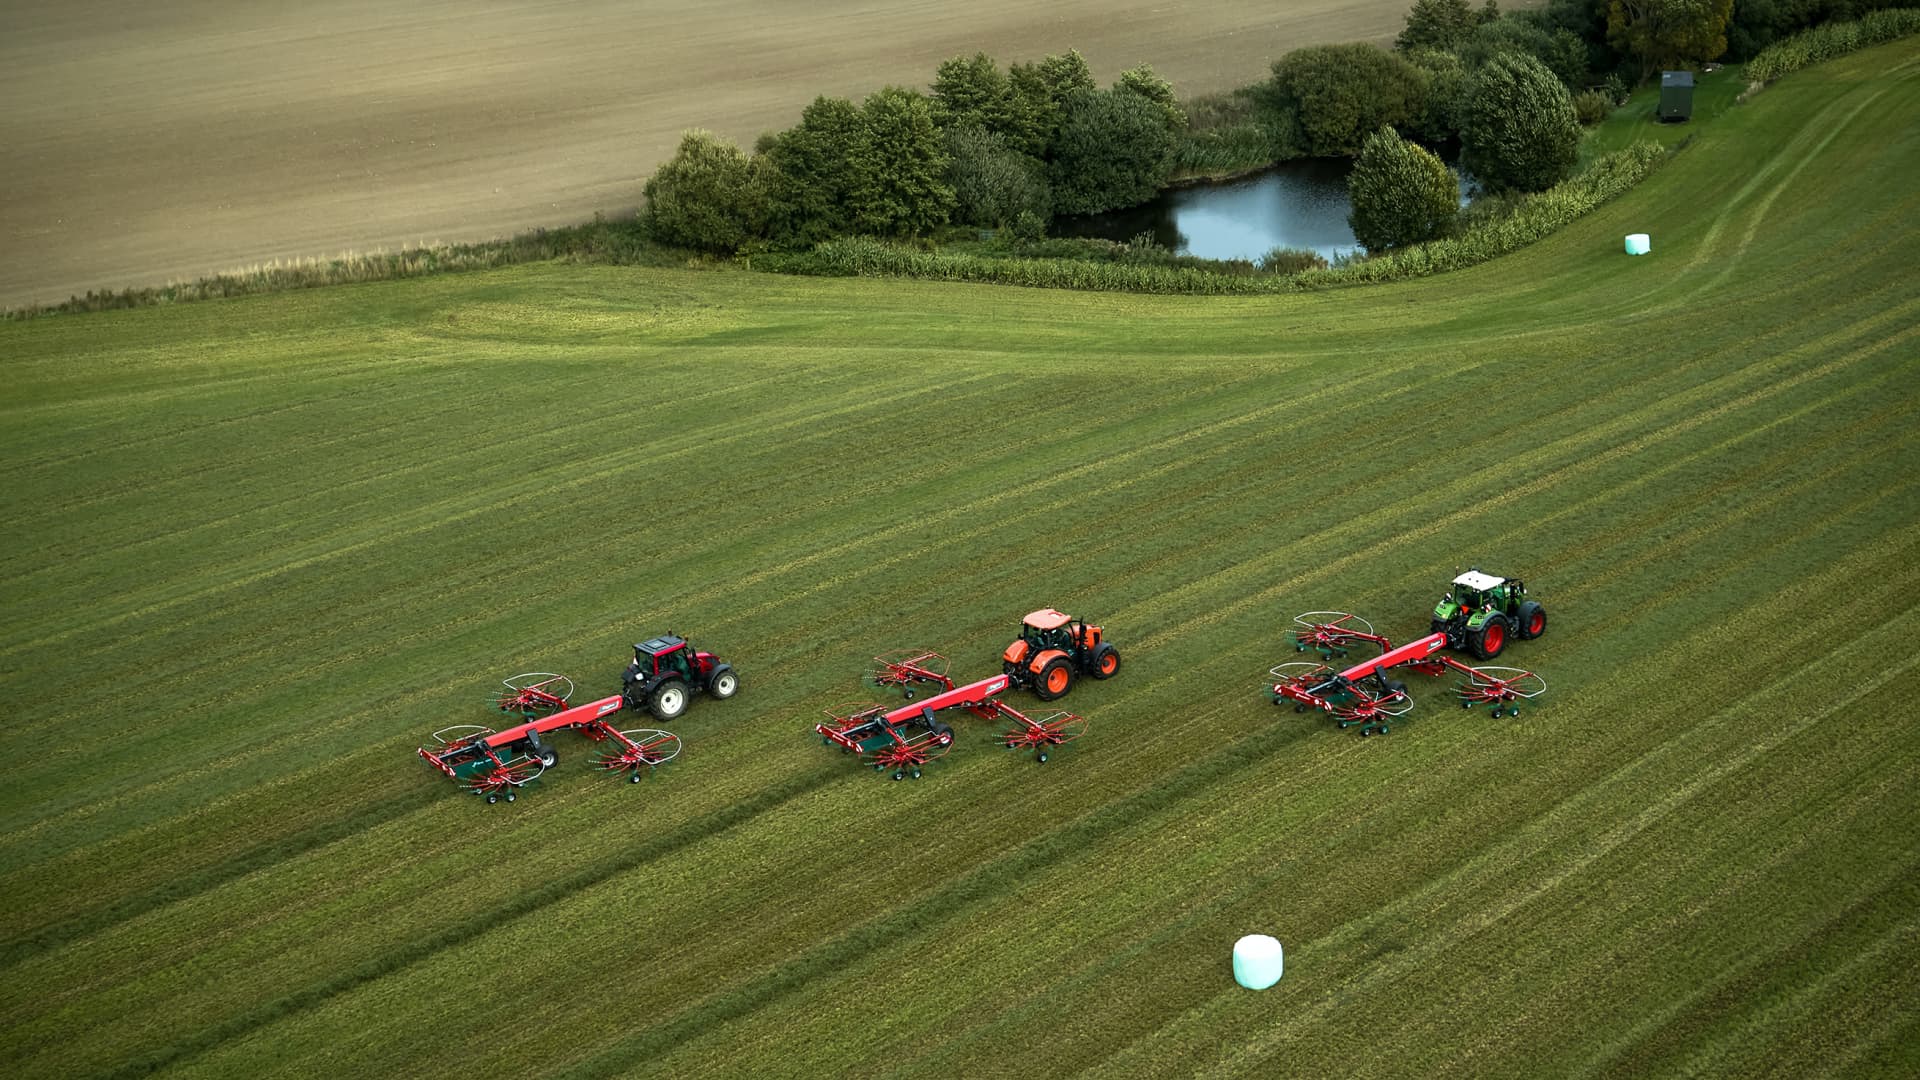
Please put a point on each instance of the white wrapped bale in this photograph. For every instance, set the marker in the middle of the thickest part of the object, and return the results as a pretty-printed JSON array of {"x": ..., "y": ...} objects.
[
  {"x": 1257, "y": 960},
  {"x": 1639, "y": 243}
]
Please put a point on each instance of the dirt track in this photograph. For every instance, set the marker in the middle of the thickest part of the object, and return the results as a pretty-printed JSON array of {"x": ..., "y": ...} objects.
[{"x": 144, "y": 144}]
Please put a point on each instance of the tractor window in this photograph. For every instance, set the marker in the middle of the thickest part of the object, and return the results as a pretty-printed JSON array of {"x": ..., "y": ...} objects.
[{"x": 677, "y": 661}]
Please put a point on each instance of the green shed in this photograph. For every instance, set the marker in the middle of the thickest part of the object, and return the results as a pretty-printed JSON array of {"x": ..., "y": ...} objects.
[{"x": 1676, "y": 95}]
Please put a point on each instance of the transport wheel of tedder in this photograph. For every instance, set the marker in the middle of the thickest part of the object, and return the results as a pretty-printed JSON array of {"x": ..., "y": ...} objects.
[
  {"x": 1054, "y": 680},
  {"x": 1487, "y": 641},
  {"x": 1533, "y": 620},
  {"x": 724, "y": 683},
  {"x": 548, "y": 757},
  {"x": 668, "y": 700},
  {"x": 1106, "y": 661}
]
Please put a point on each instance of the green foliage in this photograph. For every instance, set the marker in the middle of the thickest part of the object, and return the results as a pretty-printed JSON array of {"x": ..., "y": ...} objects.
[
  {"x": 1334, "y": 96},
  {"x": 900, "y": 187},
  {"x": 709, "y": 197},
  {"x": 1669, "y": 33},
  {"x": 1445, "y": 77},
  {"x": 1518, "y": 129},
  {"x": 1228, "y": 133},
  {"x": 1114, "y": 149},
  {"x": 1437, "y": 24},
  {"x": 1592, "y": 106},
  {"x": 993, "y": 184},
  {"x": 1401, "y": 193},
  {"x": 1142, "y": 81},
  {"x": 1832, "y": 40},
  {"x": 972, "y": 90},
  {"x": 814, "y": 173},
  {"x": 1560, "y": 50},
  {"x": 1039, "y": 100}
]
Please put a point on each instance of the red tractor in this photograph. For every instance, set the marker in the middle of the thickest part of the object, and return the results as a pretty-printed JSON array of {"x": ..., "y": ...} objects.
[
  {"x": 666, "y": 671},
  {"x": 1052, "y": 647}
]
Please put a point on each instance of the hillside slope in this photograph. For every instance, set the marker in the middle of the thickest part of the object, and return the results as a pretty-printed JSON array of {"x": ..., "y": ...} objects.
[{"x": 259, "y": 549}]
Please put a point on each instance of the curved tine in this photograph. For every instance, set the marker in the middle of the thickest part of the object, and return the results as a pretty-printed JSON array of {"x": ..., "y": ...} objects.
[
  {"x": 471, "y": 730},
  {"x": 1535, "y": 685},
  {"x": 1065, "y": 726},
  {"x": 1341, "y": 620},
  {"x": 651, "y": 741},
  {"x": 1307, "y": 667},
  {"x": 854, "y": 713},
  {"x": 544, "y": 681}
]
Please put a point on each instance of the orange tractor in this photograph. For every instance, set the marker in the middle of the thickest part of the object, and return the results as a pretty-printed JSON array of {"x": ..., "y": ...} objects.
[{"x": 1052, "y": 648}]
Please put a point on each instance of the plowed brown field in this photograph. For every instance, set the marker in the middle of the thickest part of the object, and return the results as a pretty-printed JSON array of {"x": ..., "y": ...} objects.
[{"x": 148, "y": 144}]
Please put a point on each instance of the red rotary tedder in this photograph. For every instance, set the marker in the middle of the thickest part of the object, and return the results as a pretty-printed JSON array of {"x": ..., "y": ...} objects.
[
  {"x": 1363, "y": 695},
  {"x": 498, "y": 763},
  {"x": 906, "y": 737}
]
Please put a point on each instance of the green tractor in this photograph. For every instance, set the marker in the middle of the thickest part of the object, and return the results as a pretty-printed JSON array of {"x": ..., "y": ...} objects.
[{"x": 1482, "y": 611}]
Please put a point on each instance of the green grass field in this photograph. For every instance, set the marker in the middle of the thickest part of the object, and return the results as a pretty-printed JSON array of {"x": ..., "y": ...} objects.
[{"x": 258, "y": 550}]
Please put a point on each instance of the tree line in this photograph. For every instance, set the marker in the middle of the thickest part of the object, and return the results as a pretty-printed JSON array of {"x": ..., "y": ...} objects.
[{"x": 1009, "y": 148}]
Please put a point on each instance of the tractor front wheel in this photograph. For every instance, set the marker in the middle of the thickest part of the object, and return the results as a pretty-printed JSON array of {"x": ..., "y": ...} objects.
[
  {"x": 1487, "y": 641},
  {"x": 668, "y": 700},
  {"x": 1054, "y": 680},
  {"x": 1532, "y": 621},
  {"x": 1106, "y": 661},
  {"x": 723, "y": 684}
]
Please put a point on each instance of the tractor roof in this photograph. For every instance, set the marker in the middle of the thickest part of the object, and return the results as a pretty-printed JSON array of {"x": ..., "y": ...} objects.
[
  {"x": 1474, "y": 579},
  {"x": 663, "y": 643},
  {"x": 1048, "y": 619}
]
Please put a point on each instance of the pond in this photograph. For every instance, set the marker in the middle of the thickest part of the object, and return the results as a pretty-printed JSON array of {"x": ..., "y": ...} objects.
[{"x": 1299, "y": 204}]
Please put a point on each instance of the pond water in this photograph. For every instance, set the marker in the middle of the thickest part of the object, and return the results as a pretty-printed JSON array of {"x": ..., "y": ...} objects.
[{"x": 1299, "y": 204}]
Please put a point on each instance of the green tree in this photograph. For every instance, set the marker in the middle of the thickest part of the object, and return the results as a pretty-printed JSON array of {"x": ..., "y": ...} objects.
[
  {"x": 1446, "y": 90},
  {"x": 1517, "y": 128},
  {"x": 812, "y": 173},
  {"x": 1039, "y": 100},
  {"x": 1333, "y": 96},
  {"x": 1143, "y": 81},
  {"x": 1669, "y": 33},
  {"x": 710, "y": 196},
  {"x": 972, "y": 90},
  {"x": 1401, "y": 193},
  {"x": 1114, "y": 149},
  {"x": 994, "y": 184},
  {"x": 901, "y": 188},
  {"x": 1559, "y": 49},
  {"x": 1437, "y": 24}
]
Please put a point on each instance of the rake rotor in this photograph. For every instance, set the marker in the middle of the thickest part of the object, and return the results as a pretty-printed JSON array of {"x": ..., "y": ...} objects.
[
  {"x": 909, "y": 671},
  {"x": 1043, "y": 735},
  {"x": 634, "y": 749},
  {"x": 535, "y": 693},
  {"x": 1502, "y": 687},
  {"x": 1333, "y": 633}
]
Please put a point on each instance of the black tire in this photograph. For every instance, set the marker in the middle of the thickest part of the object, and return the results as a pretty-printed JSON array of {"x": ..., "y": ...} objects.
[
  {"x": 549, "y": 757},
  {"x": 1395, "y": 686},
  {"x": 1057, "y": 675},
  {"x": 1530, "y": 621},
  {"x": 943, "y": 733},
  {"x": 1491, "y": 639},
  {"x": 669, "y": 699},
  {"x": 1105, "y": 662},
  {"x": 723, "y": 683}
]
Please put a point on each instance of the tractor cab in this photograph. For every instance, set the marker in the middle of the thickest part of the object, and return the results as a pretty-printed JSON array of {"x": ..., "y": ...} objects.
[
  {"x": 1480, "y": 609},
  {"x": 664, "y": 655},
  {"x": 1050, "y": 629}
]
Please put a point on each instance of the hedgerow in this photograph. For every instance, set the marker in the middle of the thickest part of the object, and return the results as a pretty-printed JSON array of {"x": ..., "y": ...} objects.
[{"x": 1831, "y": 40}]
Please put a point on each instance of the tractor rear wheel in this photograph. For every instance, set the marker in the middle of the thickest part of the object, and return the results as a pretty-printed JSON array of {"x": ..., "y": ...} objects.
[
  {"x": 1487, "y": 641},
  {"x": 723, "y": 684},
  {"x": 668, "y": 700},
  {"x": 1106, "y": 661},
  {"x": 1533, "y": 621},
  {"x": 1054, "y": 680}
]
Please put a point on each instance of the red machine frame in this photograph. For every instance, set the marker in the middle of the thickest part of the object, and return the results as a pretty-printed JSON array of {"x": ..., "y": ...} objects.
[
  {"x": 493, "y": 764},
  {"x": 1362, "y": 695},
  {"x": 907, "y": 737}
]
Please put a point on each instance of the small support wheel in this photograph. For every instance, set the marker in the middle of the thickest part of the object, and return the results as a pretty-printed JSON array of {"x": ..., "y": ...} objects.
[
  {"x": 491, "y": 799},
  {"x": 898, "y": 775},
  {"x": 1043, "y": 757}
]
